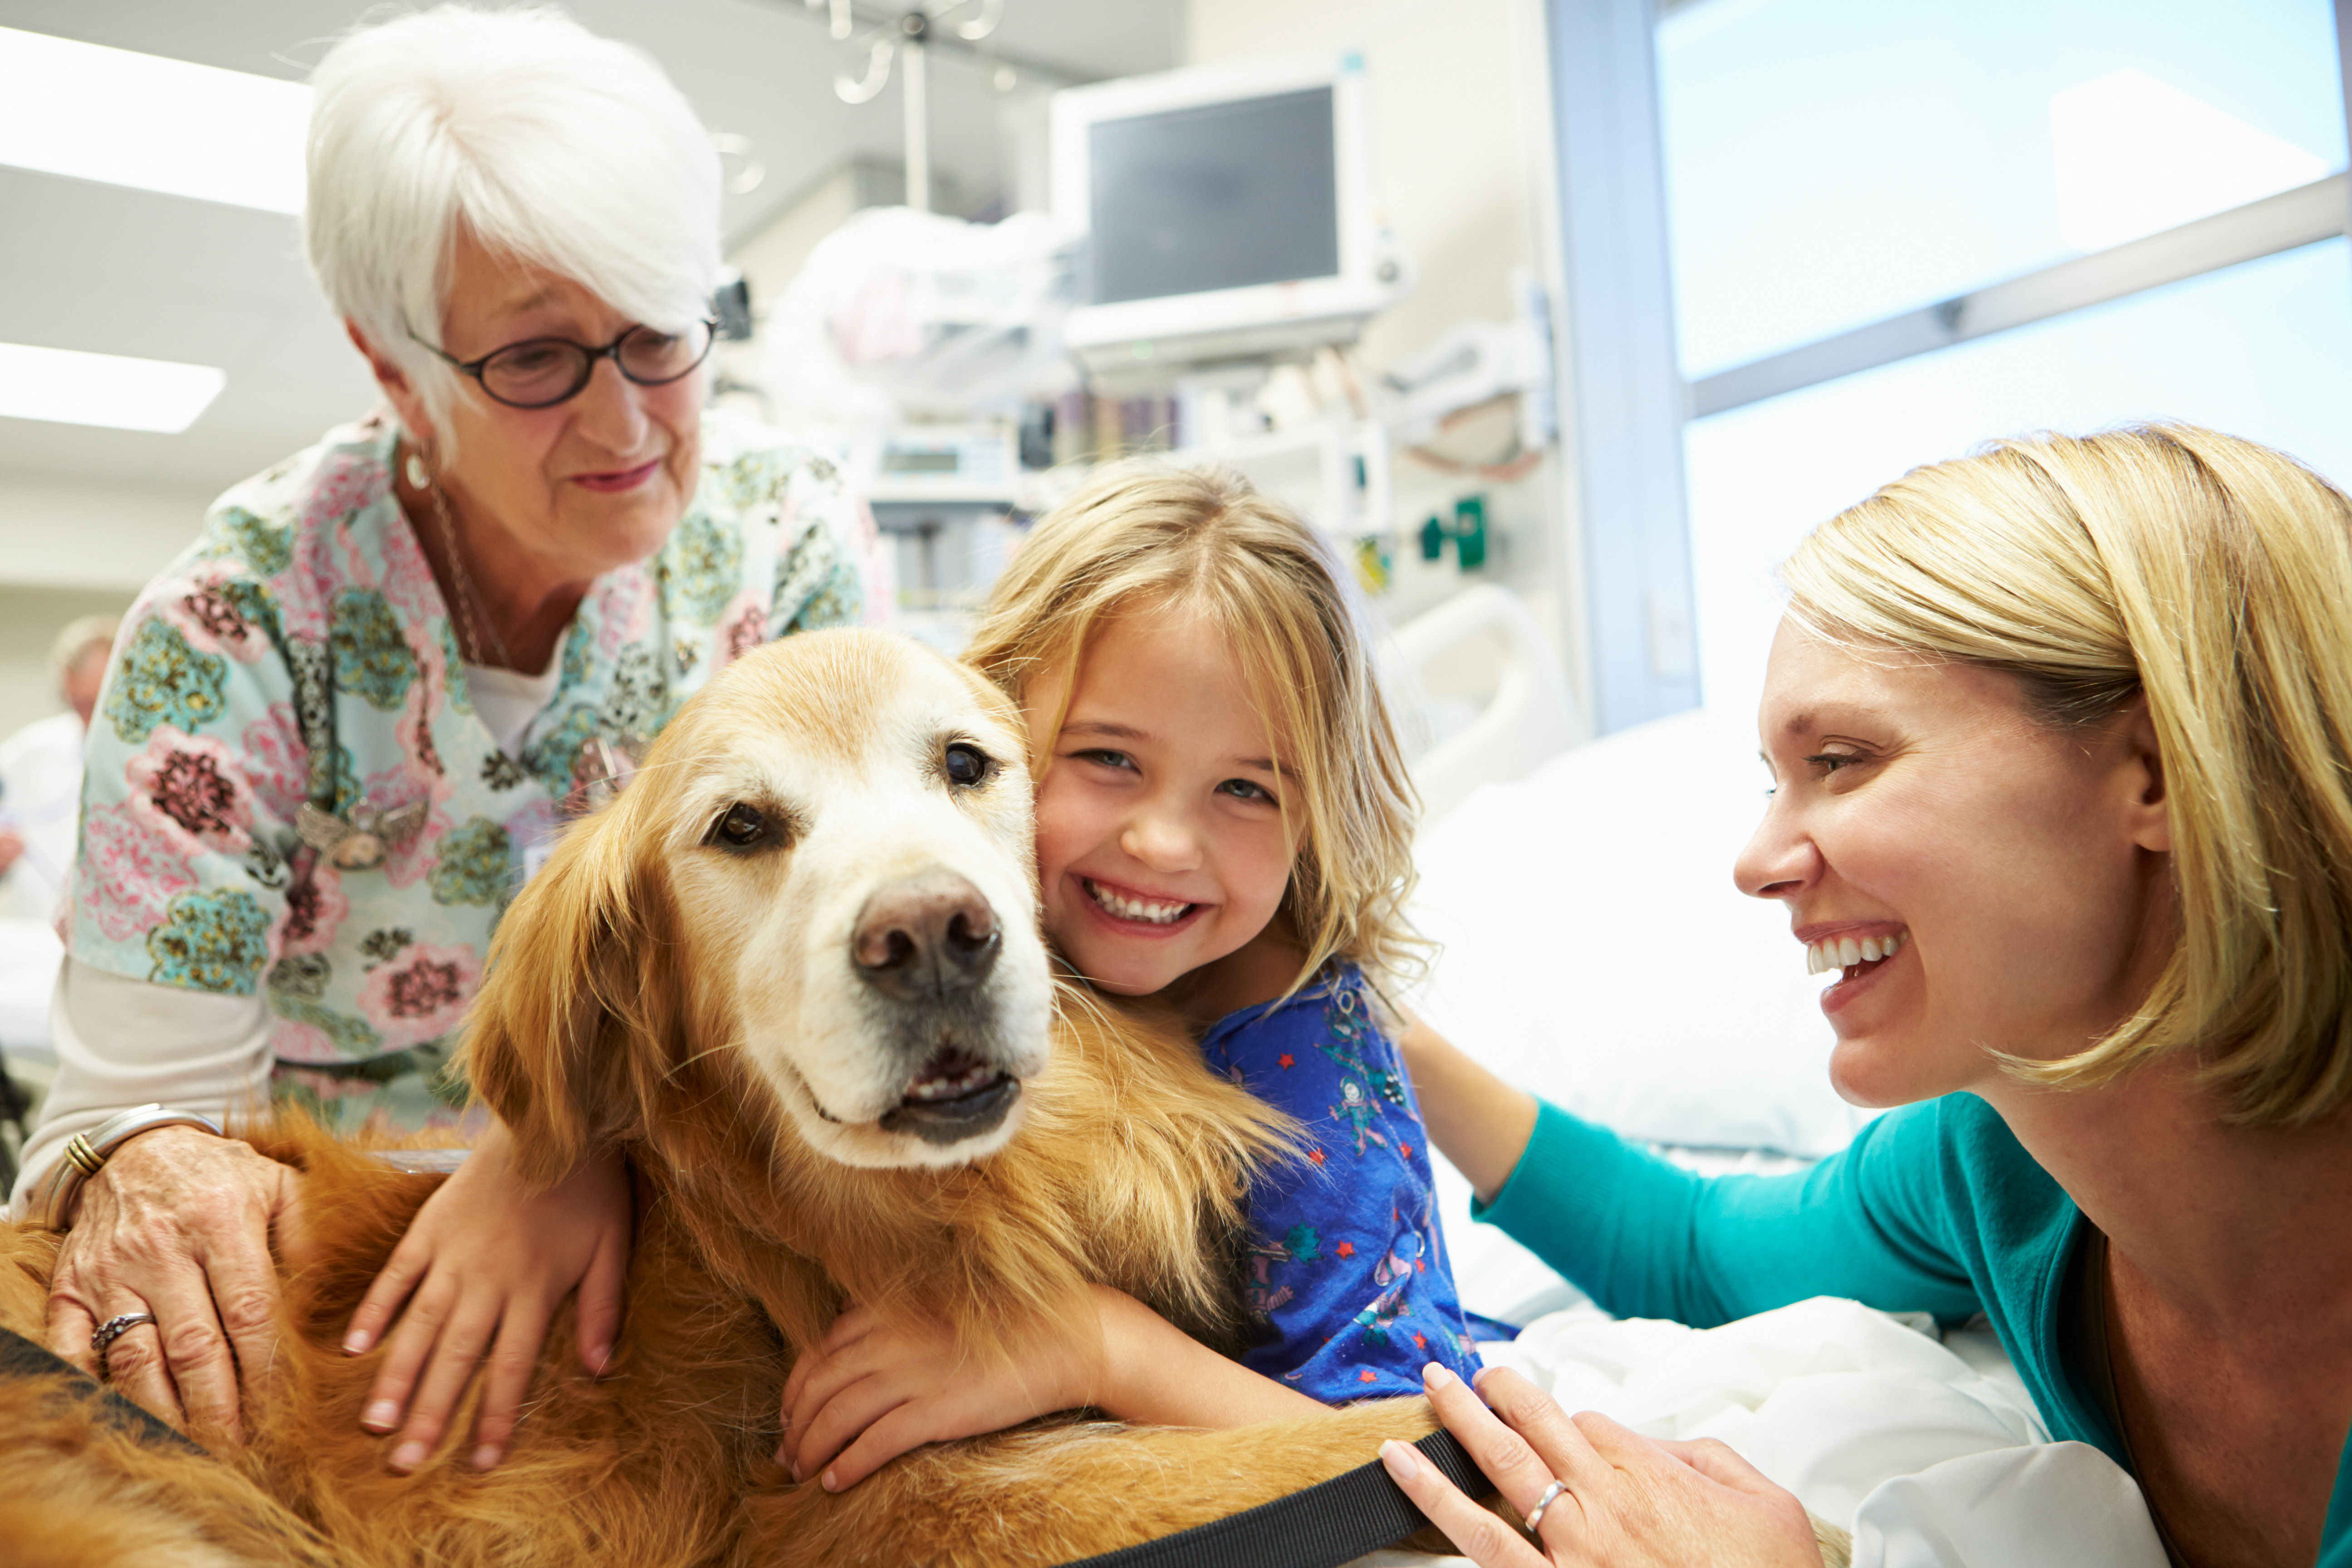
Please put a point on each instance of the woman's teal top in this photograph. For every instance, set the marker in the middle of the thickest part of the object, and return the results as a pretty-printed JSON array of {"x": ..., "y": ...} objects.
[{"x": 1934, "y": 1207}]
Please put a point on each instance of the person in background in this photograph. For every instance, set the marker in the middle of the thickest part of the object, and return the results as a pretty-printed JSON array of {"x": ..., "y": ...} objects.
[
  {"x": 40, "y": 775},
  {"x": 388, "y": 666}
]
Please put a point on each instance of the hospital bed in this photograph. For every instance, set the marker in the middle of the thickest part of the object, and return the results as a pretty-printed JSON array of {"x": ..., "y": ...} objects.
[{"x": 1593, "y": 948}]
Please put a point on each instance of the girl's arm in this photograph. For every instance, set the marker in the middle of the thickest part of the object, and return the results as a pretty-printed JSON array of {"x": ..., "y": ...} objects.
[
  {"x": 875, "y": 1391},
  {"x": 1477, "y": 1121},
  {"x": 484, "y": 1265}
]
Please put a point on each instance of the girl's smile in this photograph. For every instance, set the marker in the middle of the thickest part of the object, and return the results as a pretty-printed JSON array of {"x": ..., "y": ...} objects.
[{"x": 1162, "y": 845}]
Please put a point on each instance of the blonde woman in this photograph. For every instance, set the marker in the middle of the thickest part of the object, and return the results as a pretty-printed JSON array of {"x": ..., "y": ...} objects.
[
  {"x": 2061, "y": 737},
  {"x": 1222, "y": 825}
]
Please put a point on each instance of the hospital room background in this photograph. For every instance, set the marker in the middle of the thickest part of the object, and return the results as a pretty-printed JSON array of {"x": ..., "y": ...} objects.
[{"x": 1565, "y": 319}]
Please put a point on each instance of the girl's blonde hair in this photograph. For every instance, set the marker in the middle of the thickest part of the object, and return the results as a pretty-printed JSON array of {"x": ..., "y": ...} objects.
[
  {"x": 1147, "y": 534},
  {"x": 2213, "y": 577}
]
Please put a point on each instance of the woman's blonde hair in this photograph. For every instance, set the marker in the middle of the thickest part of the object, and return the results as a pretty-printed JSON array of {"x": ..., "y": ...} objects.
[
  {"x": 1148, "y": 533},
  {"x": 2213, "y": 577}
]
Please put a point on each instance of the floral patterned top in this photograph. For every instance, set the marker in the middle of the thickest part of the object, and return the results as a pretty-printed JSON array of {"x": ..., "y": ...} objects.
[
  {"x": 1348, "y": 1279},
  {"x": 300, "y": 651}
]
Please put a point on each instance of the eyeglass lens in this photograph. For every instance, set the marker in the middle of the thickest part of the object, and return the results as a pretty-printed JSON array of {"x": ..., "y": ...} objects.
[{"x": 544, "y": 371}]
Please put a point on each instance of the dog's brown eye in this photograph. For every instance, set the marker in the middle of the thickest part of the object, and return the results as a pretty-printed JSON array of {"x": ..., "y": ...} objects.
[
  {"x": 743, "y": 827},
  {"x": 966, "y": 764}
]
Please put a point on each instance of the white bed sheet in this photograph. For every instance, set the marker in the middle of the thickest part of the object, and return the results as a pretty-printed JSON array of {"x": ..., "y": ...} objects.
[{"x": 1929, "y": 1451}]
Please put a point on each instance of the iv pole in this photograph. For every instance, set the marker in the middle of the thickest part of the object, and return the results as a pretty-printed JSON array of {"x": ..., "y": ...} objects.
[{"x": 913, "y": 38}]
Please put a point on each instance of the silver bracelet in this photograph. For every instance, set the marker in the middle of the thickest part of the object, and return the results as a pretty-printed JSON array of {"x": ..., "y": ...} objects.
[{"x": 86, "y": 1152}]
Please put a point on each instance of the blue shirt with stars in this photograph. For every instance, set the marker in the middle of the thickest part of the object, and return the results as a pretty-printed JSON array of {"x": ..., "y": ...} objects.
[{"x": 1348, "y": 1279}]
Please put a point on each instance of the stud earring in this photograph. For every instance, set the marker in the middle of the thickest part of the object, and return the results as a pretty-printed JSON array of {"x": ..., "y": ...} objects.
[{"x": 418, "y": 478}]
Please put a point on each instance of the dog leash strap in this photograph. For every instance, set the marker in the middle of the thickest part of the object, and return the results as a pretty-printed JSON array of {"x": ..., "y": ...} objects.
[
  {"x": 20, "y": 1357},
  {"x": 1329, "y": 1523}
]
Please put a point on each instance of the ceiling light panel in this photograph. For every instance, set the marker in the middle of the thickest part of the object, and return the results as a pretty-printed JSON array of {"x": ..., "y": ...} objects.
[
  {"x": 156, "y": 124},
  {"x": 69, "y": 387}
]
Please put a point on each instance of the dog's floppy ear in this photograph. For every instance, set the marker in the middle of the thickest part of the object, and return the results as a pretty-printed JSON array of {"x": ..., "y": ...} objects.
[{"x": 547, "y": 1034}]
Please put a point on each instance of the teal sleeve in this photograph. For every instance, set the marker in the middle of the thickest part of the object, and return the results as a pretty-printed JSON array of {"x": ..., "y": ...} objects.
[
  {"x": 2336, "y": 1536},
  {"x": 1645, "y": 1238}
]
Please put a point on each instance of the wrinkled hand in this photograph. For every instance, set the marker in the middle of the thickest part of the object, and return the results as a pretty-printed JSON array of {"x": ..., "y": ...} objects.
[
  {"x": 882, "y": 1389},
  {"x": 483, "y": 1268},
  {"x": 1630, "y": 1502},
  {"x": 178, "y": 1222}
]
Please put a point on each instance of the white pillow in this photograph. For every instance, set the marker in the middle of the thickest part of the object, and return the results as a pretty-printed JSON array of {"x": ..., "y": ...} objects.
[{"x": 1596, "y": 951}]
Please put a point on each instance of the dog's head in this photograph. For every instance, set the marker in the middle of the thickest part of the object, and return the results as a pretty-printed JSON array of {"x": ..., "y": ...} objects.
[{"x": 824, "y": 866}]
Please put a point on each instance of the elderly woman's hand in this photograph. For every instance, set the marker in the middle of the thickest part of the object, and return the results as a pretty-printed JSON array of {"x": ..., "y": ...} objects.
[
  {"x": 178, "y": 1222},
  {"x": 1625, "y": 1501},
  {"x": 483, "y": 1268}
]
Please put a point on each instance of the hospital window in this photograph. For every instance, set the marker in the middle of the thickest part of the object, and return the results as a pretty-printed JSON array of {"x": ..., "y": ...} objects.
[{"x": 1897, "y": 230}]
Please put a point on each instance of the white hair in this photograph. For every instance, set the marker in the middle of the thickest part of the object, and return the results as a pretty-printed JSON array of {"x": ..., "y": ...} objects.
[{"x": 570, "y": 150}]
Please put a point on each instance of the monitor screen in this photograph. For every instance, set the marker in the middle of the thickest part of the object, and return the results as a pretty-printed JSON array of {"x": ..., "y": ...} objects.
[{"x": 1223, "y": 196}]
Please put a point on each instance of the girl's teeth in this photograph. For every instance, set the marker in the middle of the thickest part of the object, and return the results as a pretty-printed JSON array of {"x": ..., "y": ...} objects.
[
  {"x": 1844, "y": 952},
  {"x": 1150, "y": 911}
]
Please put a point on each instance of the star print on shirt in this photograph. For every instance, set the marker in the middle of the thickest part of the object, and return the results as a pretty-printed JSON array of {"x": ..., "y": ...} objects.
[
  {"x": 1315, "y": 1155},
  {"x": 1347, "y": 1250},
  {"x": 1285, "y": 1060}
]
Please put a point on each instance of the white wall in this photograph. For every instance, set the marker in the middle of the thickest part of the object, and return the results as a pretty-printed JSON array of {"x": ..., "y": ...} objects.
[{"x": 1462, "y": 127}]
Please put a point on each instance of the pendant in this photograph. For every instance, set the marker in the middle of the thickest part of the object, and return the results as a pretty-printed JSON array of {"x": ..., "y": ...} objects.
[{"x": 359, "y": 840}]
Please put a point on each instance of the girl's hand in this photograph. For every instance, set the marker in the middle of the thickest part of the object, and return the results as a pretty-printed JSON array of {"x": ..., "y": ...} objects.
[
  {"x": 874, "y": 1391},
  {"x": 1628, "y": 1502},
  {"x": 891, "y": 1390},
  {"x": 177, "y": 1223},
  {"x": 483, "y": 1267}
]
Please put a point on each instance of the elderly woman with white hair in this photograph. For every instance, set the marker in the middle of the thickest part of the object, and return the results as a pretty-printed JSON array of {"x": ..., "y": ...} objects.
[{"x": 341, "y": 727}]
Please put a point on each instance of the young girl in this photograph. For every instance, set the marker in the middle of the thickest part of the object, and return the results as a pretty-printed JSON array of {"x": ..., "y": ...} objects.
[{"x": 1223, "y": 824}]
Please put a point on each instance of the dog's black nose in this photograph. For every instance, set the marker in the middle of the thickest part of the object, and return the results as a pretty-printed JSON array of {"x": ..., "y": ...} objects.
[{"x": 925, "y": 937}]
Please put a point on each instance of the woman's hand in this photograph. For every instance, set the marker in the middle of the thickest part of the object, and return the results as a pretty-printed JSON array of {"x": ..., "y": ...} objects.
[
  {"x": 1627, "y": 1501},
  {"x": 876, "y": 1390},
  {"x": 177, "y": 1223},
  {"x": 482, "y": 1269}
]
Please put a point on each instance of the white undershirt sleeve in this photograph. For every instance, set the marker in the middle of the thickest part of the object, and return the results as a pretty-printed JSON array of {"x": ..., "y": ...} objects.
[{"x": 122, "y": 1042}]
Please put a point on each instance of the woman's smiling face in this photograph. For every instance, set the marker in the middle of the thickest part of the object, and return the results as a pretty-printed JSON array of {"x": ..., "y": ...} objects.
[
  {"x": 2018, "y": 869},
  {"x": 1160, "y": 840}
]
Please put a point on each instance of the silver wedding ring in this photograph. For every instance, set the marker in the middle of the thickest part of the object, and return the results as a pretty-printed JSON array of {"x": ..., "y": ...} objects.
[
  {"x": 1551, "y": 1495},
  {"x": 113, "y": 1329}
]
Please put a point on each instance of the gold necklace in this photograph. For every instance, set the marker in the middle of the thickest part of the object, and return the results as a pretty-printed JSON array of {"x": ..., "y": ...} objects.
[{"x": 484, "y": 635}]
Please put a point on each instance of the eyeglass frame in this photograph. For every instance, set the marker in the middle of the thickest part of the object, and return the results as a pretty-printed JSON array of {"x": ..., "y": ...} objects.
[{"x": 611, "y": 350}]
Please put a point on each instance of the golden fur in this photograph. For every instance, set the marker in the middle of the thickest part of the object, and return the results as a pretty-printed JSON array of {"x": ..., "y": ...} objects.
[{"x": 651, "y": 991}]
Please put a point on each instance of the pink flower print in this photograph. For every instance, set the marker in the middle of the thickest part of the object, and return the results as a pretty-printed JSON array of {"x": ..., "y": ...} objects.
[
  {"x": 191, "y": 789},
  {"x": 214, "y": 611},
  {"x": 420, "y": 996},
  {"x": 315, "y": 909},
  {"x": 277, "y": 765},
  {"x": 345, "y": 483},
  {"x": 293, "y": 1042},
  {"x": 408, "y": 585},
  {"x": 129, "y": 871},
  {"x": 625, "y": 611},
  {"x": 741, "y": 629},
  {"x": 305, "y": 591}
]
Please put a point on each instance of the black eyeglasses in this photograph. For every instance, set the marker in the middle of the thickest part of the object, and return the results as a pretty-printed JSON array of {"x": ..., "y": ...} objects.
[{"x": 539, "y": 373}]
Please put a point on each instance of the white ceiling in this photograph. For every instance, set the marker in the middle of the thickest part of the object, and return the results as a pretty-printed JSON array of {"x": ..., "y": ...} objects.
[{"x": 114, "y": 270}]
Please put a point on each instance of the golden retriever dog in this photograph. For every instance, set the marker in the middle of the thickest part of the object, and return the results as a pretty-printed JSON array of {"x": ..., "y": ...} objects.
[{"x": 795, "y": 971}]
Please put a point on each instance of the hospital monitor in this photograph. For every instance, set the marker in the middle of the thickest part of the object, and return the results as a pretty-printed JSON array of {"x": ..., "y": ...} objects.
[{"x": 1228, "y": 213}]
